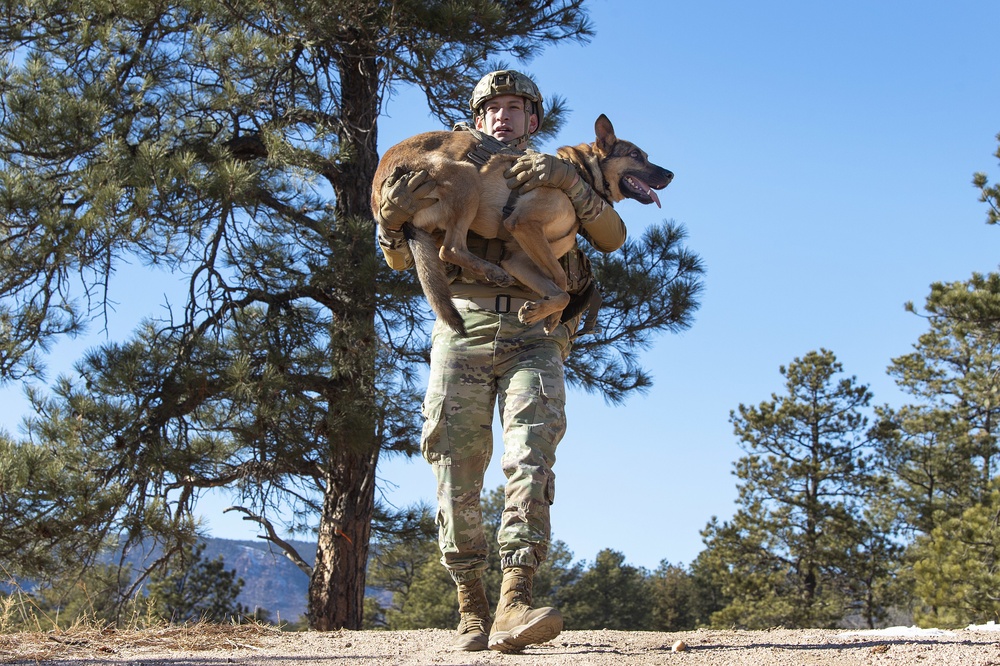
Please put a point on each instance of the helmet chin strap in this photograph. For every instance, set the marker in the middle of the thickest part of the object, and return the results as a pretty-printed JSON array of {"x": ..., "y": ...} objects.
[{"x": 522, "y": 142}]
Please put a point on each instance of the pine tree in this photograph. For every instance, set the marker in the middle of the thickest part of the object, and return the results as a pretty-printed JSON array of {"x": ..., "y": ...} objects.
[
  {"x": 47, "y": 492},
  {"x": 989, "y": 194},
  {"x": 942, "y": 448},
  {"x": 71, "y": 597},
  {"x": 195, "y": 590},
  {"x": 406, "y": 565},
  {"x": 794, "y": 553},
  {"x": 957, "y": 568},
  {"x": 610, "y": 594},
  {"x": 943, "y": 453},
  {"x": 235, "y": 145},
  {"x": 677, "y": 601}
]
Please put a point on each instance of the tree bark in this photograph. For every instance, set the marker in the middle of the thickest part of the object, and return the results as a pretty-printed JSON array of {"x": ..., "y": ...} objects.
[{"x": 337, "y": 586}]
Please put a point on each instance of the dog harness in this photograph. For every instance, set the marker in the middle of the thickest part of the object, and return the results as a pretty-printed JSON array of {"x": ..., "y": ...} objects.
[
  {"x": 585, "y": 295},
  {"x": 483, "y": 151}
]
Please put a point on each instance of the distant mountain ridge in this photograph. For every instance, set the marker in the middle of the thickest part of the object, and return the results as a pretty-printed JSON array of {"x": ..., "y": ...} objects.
[{"x": 270, "y": 580}]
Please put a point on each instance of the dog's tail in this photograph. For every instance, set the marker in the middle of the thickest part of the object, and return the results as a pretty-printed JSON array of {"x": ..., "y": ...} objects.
[{"x": 433, "y": 278}]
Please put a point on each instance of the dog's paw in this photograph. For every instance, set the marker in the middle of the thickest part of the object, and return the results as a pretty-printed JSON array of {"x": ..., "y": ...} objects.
[
  {"x": 533, "y": 312},
  {"x": 528, "y": 314}
]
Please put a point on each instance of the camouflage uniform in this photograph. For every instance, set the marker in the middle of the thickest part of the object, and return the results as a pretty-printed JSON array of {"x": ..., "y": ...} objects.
[
  {"x": 500, "y": 359},
  {"x": 523, "y": 367}
]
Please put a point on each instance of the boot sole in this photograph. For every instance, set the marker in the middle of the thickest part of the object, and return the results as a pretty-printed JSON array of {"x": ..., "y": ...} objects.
[
  {"x": 540, "y": 630},
  {"x": 481, "y": 642}
]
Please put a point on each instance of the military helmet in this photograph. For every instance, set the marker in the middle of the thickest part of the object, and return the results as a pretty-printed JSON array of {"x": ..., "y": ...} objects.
[{"x": 506, "y": 82}]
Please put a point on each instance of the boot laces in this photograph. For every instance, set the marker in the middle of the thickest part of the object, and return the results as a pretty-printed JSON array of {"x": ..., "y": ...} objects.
[{"x": 472, "y": 623}]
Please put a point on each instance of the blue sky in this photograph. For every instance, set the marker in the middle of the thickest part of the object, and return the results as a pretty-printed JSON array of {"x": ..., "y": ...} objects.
[{"x": 823, "y": 155}]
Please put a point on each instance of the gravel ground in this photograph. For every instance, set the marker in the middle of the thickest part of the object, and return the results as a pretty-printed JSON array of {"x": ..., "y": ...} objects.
[{"x": 975, "y": 646}]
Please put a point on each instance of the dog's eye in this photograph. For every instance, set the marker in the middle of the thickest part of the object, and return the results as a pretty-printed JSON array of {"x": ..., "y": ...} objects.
[{"x": 635, "y": 154}]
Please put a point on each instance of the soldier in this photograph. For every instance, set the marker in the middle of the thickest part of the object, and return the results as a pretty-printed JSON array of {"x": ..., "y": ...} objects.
[{"x": 501, "y": 358}]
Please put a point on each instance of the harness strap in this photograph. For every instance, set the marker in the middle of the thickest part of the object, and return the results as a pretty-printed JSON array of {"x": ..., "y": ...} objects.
[
  {"x": 484, "y": 151},
  {"x": 490, "y": 249},
  {"x": 594, "y": 305},
  {"x": 510, "y": 205}
]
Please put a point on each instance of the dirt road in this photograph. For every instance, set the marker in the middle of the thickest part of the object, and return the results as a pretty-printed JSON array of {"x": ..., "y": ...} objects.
[{"x": 967, "y": 647}]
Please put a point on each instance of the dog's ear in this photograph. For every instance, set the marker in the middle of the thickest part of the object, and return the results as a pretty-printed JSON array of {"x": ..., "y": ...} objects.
[{"x": 605, "y": 132}]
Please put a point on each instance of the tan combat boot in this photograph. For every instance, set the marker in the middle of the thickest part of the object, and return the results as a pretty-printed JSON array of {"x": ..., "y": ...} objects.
[
  {"x": 517, "y": 624},
  {"x": 474, "y": 607}
]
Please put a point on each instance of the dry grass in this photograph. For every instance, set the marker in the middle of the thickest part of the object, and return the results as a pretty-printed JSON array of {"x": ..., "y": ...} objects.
[
  {"x": 84, "y": 641},
  {"x": 28, "y": 633}
]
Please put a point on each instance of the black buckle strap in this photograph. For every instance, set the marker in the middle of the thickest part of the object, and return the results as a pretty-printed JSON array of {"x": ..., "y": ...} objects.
[
  {"x": 480, "y": 155},
  {"x": 511, "y": 204},
  {"x": 502, "y": 305}
]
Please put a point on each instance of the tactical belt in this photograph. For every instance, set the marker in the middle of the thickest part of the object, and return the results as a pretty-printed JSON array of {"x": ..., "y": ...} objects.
[
  {"x": 500, "y": 304},
  {"x": 505, "y": 304},
  {"x": 492, "y": 250}
]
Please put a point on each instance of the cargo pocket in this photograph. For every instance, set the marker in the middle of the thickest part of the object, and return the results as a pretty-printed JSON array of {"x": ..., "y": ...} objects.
[
  {"x": 550, "y": 409},
  {"x": 434, "y": 442}
]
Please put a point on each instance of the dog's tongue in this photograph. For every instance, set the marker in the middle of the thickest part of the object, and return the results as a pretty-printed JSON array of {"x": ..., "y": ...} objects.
[
  {"x": 650, "y": 192},
  {"x": 656, "y": 199}
]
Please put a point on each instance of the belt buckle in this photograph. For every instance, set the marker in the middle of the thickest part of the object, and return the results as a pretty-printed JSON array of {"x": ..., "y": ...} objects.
[{"x": 505, "y": 307}]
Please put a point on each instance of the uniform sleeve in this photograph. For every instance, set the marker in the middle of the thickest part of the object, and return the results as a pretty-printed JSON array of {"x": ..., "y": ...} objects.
[
  {"x": 395, "y": 250},
  {"x": 606, "y": 232}
]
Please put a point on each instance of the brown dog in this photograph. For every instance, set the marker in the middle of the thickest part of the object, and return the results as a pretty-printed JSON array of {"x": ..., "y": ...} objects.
[{"x": 541, "y": 228}]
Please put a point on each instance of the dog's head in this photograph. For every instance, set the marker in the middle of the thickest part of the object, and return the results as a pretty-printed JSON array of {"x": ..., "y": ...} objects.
[{"x": 626, "y": 168}]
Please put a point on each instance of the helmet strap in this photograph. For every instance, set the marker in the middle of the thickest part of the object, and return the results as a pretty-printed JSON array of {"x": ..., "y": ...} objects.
[{"x": 521, "y": 142}]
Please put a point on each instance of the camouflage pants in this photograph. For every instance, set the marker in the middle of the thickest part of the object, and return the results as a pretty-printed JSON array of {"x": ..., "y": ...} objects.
[{"x": 522, "y": 368}]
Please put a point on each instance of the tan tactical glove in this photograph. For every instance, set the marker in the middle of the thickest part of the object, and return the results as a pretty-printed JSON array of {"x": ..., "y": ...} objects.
[
  {"x": 535, "y": 169},
  {"x": 403, "y": 194}
]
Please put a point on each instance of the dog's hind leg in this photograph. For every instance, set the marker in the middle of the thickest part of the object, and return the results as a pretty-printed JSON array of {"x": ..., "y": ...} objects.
[
  {"x": 527, "y": 228},
  {"x": 553, "y": 299}
]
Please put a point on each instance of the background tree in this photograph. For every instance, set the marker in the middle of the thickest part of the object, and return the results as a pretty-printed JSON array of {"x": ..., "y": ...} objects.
[
  {"x": 610, "y": 594},
  {"x": 235, "y": 144},
  {"x": 710, "y": 596},
  {"x": 406, "y": 569},
  {"x": 957, "y": 568},
  {"x": 197, "y": 590},
  {"x": 989, "y": 194},
  {"x": 89, "y": 595},
  {"x": 47, "y": 492},
  {"x": 791, "y": 555},
  {"x": 941, "y": 450},
  {"x": 676, "y": 599}
]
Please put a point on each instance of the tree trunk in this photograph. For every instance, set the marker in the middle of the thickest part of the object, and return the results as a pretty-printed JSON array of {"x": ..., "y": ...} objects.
[{"x": 337, "y": 586}]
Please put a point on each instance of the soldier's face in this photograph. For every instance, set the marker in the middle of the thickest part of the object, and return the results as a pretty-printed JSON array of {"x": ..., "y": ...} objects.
[{"x": 503, "y": 117}]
